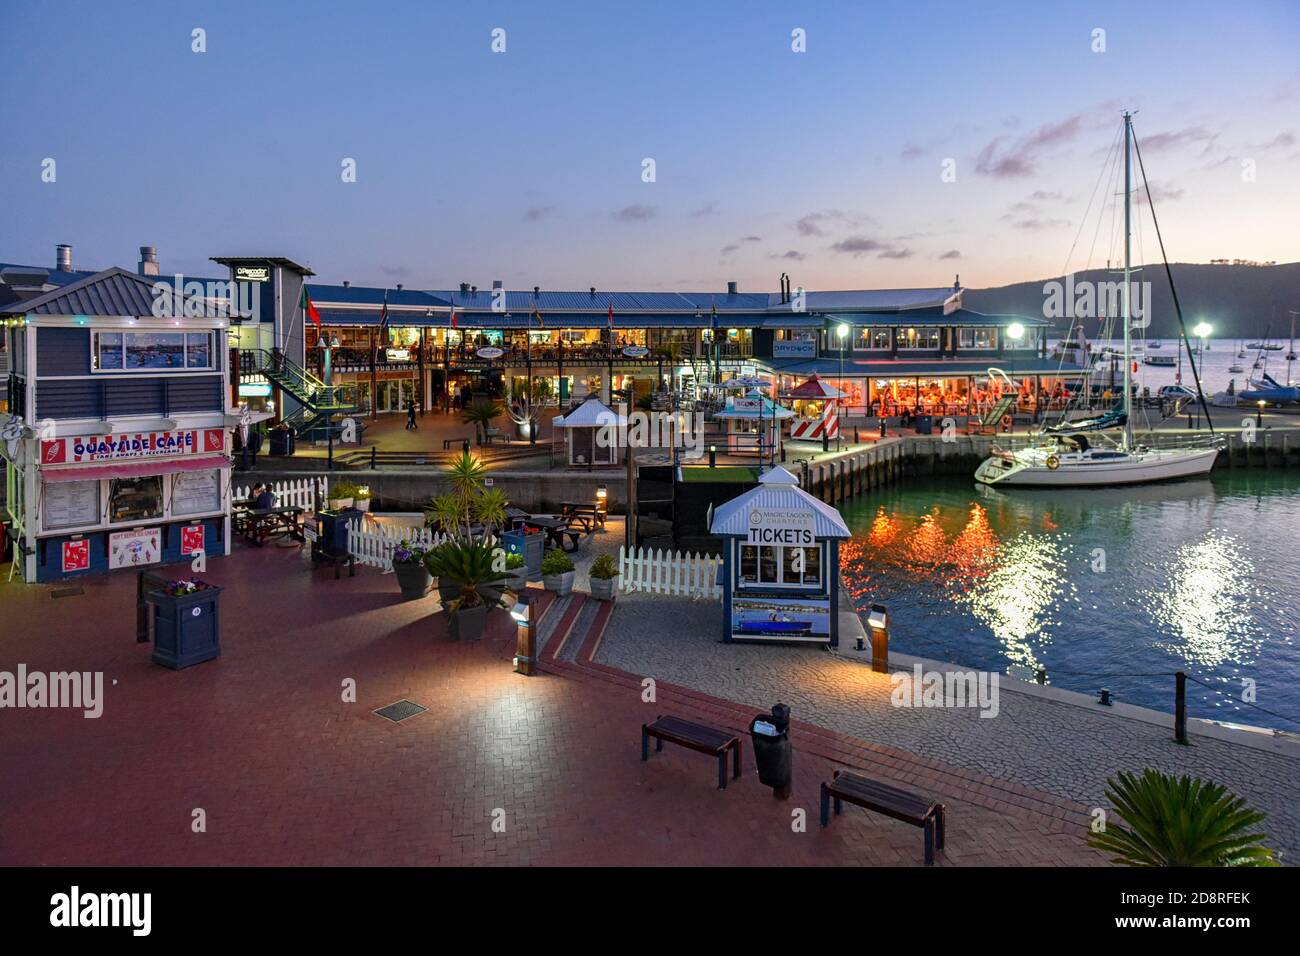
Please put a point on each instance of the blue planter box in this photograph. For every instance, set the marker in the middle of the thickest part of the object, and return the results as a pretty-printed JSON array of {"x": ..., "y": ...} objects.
[
  {"x": 187, "y": 629},
  {"x": 333, "y": 529},
  {"x": 531, "y": 546}
]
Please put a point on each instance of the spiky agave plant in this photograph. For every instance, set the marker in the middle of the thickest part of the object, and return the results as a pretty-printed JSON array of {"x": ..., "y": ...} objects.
[
  {"x": 1180, "y": 821},
  {"x": 469, "y": 566},
  {"x": 480, "y": 415},
  {"x": 489, "y": 508}
]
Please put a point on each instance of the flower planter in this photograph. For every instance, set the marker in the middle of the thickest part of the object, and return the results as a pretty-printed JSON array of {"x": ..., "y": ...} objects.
[
  {"x": 187, "y": 630},
  {"x": 338, "y": 504},
  {"x": 413, "y": 578},
  {"x": 448, "y": 590},
  {"x": 604, "y": 589},
  {"x": 517, "y": 579},
  {"x": 361, "y": 504},
  {"x": 530, "y": 546},
  {"x": 468, "y": 624},
  {"x": 561, "y": 584}
]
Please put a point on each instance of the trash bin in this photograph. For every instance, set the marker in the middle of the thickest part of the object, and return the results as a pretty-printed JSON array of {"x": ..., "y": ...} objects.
[
  {"x": 281, "y": 441},
  {"x": 924, "y": 424},
  {"x": 772, "y": 750}
]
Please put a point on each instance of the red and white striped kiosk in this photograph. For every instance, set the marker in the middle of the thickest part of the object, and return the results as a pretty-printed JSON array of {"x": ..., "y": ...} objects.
[{"x": 817, "y": 410}]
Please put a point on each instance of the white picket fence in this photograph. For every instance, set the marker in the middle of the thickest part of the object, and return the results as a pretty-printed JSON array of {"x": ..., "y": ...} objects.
[
  {"x": 300, "y": 493},
  {"x": 373, "y": 543},
  {"x": 669, "y": 572}
]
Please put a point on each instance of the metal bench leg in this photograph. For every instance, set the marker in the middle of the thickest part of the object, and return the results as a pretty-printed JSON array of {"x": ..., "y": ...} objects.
[
  {"x": 826, "y": 806},
  {"x": 929, "y": 841},
  {"x": 939, "y": 826},
  {"x": 735, "y": 761},
  {"x": 839, "y": 806},
  {"x": 659, "y": 744},
  {"x": 722, "y": 770},
  {"x": 645, "y": 744}
]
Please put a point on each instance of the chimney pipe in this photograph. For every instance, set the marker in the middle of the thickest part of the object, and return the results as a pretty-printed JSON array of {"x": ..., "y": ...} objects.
[
  {"x": 148, "y": 261},
  {"x": 473, "y": 290},
  {"x": 346, "y": 283},
  {"x": 732, "y": 287},
  {"x": 464, "y": 288},
  {"x": 536, "y": 291},
  {"x": 63, "y": 257},
  {"x": 399, "y": 287}
]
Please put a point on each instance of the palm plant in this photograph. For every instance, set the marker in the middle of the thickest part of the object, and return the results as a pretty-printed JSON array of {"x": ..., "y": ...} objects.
[
  {"x": 480, "y": 415},
  {"x": 445, "y": 514},
  {"x": 469, "y": 566},
  {"x": 489, "y": 507},
  {"x": 1180, "y": 821}
]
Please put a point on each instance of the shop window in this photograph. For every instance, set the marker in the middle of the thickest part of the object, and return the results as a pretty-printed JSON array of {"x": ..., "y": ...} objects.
[
  {"x": 776, "y": 565},
  {"x": 196, "y": 492},
  {"x": 136, "y": 351},
  {"x": 872, "y": 338},
  {"x": 71, "y": 504},
  {"x": 919, "y": 339},
  {"x": 135, "y": 499},
  {"x": 977, "y": 338}
]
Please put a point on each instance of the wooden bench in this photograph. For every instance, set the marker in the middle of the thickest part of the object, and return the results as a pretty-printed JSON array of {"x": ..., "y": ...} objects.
[
  {"x": 447, "y": 443},
  {"x": 697, "y": 737},
  {"x": 891, "y": 801}
]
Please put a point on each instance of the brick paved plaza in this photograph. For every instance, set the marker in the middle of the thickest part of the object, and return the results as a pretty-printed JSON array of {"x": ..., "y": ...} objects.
[{"x": 286, "y": 772}]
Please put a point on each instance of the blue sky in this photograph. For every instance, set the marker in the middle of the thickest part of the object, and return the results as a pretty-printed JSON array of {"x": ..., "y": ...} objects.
[{"x": 527, "y": 165}]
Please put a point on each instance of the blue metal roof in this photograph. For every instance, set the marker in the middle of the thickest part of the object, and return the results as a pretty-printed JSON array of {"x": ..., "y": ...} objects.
[
  {"x": 368, "y": 295},
  {"x": 113, "y": 292}
]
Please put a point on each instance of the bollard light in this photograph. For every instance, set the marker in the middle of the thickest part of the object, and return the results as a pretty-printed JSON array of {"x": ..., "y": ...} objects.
[
  {"x": 1259, "y": 415},
  {"x": 713, "y": 456},
  {"x": 524, "y": 643},
  {"x": 1104, "y": 697},
  {"x": 602, "y": 504},
  {"x": 878, "y": 622}
]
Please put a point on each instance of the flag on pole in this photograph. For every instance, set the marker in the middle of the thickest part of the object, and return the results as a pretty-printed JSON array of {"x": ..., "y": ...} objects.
[
  {"x": 383, "y": 317},
  {"x": 611, "y": 313},
  {"x": 309, "y": 308},
  {"x": 538, "y": 316},
  {"x": 453, "y": 317}
]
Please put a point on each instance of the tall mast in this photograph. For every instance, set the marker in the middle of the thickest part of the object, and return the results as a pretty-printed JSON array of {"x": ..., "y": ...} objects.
[{"x": 1127, "y": 292}]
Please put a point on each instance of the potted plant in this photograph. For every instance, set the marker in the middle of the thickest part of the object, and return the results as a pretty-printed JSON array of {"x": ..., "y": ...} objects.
[
  {"x": 481, "y": 416},
  {"x": 557, "y": 572},
  {"x": 412, "y": 576},
  {"x": 361, "y": 498},
  {"x": 604, "y": 578},
  {"x": 516, "y": 571},
  {"x": 186, "y": 625},
  {"x": 340, "y": 496},
  {"x": 467, "y": 583}
]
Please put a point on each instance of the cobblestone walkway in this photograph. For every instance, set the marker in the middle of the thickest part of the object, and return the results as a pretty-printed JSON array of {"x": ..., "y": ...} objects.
[{"x": 1055, "y": 747}]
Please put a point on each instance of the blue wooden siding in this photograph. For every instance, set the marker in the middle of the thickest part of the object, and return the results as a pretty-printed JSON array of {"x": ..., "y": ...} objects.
[
  {"x": 110, "y": 396},
  {"x": 49, "y": 551},
  {"x": 63, "y": 351}
]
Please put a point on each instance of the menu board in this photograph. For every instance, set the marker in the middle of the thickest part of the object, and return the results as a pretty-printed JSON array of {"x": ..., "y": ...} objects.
[
  {"x": 196, "y": 492},
  {"x": 71, "y": 504}
]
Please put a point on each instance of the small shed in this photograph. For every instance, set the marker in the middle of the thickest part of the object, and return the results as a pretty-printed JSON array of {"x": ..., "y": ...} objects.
[
  {"x": 593, "y": 434},
  {"x": 753, "y": 424},
  {"x": 816, "y": 407},
  {"x": 780, "y": 563}
]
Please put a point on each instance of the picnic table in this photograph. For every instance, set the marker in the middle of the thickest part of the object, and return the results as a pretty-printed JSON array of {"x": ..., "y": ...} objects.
[
  {"x": 587, "y": 515},
  {"x": 259, "y": 524},
  {"x": 557, "y": 531}
]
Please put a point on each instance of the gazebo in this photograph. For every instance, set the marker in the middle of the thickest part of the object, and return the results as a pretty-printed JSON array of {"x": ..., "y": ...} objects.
[
  {"x": 816, "y": 408},
  {"x": 780, "y": 563},
  {"x": 592, "y": 432}
]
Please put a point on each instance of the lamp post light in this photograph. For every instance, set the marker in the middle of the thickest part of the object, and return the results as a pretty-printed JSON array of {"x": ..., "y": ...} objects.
[
  {"x": 602, "y": 504},
  {"x": 878, "y": 624},
  {"x": 1202, "y": 332},
  {"x": 525, "y": 641},
  {"x": 713, "y": 456},
  {"x": 1259, "y": 414},
  {"x": 842, "y": 330}
]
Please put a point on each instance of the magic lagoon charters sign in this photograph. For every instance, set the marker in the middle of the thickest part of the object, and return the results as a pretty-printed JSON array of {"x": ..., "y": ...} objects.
[
  {"x": 783, "y": 526},
  {"x": 88, "y": 448}
]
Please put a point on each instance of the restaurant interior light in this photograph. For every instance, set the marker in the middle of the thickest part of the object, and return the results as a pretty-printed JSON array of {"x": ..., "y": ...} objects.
[{"x": 1015, "y": 331}]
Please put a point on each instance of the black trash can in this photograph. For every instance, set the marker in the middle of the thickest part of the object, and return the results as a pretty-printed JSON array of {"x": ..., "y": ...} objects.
[
  {"x": 282, "y": 441},
  {"x": 924, "y": 424},
  {"x": 773, "y": 753}
]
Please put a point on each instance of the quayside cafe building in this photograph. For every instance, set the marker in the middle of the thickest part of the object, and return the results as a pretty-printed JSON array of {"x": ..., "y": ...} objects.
[
  {"x": 117, "y": 430},
  {"x": 884, "y": 349}
]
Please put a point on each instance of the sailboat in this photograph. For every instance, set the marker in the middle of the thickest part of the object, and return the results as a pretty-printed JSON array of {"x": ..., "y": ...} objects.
[{"x": 1064, "y": 456}]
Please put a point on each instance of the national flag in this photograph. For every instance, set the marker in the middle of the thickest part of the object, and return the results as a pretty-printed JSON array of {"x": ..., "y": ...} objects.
[
  {"x": 309, "y": 308},
  {"x": 383, "y": 317},
  {"x": 611, "y": 313},
  {"x": 538, "y": 316},
  {"x": 453, "y": 317}
]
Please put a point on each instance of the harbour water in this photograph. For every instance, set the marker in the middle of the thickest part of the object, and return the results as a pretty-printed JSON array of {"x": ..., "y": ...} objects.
[
  {"x": 1213, "y": 364},
  {"x": 1099, "y": 588}
]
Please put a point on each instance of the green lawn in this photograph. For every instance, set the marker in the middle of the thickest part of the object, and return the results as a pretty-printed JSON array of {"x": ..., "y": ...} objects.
[{"x": 727, "y": 473}]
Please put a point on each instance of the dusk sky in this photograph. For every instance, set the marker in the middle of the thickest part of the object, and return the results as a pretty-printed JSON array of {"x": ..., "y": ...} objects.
[{"x": 527, "y": 165}]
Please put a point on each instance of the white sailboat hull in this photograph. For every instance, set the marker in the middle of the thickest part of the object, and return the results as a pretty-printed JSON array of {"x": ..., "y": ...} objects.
[{"x": 1026, "y": 468}]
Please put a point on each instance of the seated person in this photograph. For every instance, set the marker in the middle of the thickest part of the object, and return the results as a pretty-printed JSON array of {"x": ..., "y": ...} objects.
[{"x": 263, "y": 498}]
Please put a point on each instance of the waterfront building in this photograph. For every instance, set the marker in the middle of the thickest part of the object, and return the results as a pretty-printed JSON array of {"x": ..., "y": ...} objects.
[{"x": 116, "y": 436}]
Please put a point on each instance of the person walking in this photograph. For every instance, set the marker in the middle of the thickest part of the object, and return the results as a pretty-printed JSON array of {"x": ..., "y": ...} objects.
[{"x": 411, "y": 423}]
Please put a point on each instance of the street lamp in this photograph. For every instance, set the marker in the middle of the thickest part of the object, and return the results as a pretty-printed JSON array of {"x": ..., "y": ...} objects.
[
  {"x": 842, "y": 330},
  {"x": 1259, "y": 415},
  {"x": 1015, "y": 331},
  {"x": 1202, "y": 332},
  {"x": 878, "y": 623}
]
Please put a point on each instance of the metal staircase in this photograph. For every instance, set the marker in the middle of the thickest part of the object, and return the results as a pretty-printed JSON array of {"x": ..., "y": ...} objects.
[{"x": 318, "y": 403}]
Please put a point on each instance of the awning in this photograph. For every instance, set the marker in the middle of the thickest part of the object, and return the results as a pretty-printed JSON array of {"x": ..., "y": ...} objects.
[{"x": 135, "y": 469}]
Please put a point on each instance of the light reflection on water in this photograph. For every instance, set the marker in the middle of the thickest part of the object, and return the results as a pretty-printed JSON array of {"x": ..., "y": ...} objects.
[{"x": 1095, "y": 585}]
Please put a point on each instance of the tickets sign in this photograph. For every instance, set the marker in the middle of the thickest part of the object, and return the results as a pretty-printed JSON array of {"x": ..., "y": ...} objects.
[
  {"x": 76, "y": 555},
  {"x": 88, "y": 448}
]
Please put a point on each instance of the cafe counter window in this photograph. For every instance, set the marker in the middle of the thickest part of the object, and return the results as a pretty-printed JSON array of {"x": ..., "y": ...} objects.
[
  {"x": 152, "y": 351},
  {"x": 135, "y": 499}
]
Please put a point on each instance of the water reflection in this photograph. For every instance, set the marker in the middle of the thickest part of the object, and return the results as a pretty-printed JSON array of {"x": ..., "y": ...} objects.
[{"x": 1205, "y": 603}]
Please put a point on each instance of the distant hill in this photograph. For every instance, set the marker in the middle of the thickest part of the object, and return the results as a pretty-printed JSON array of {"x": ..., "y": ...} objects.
[{"x": 1239, "y": 301}]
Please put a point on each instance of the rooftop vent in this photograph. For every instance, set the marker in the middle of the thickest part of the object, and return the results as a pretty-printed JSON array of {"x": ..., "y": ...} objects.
[
  {"x": 63, "y": 257},
  {"x": 148, "y": 261},
  {"x": 497, "y": 283},
  {"x": 399, "y": 287},
  {"x": 346, "y": 283},
  {"x": 464, "y": 288},
  {"x": 733, "y": 287},
  {"x": 536, "y": 291},
  {"x": 593, "y": 291}
]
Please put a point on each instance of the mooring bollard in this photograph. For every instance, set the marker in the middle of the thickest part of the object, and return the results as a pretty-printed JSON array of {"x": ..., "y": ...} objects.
[{"x": 1180, "y": 707}]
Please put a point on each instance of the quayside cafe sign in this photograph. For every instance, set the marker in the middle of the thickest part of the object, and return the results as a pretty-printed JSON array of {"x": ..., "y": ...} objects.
[
  {"x": 87, "y": 448},
  {"x": 784, "y": 526}
]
